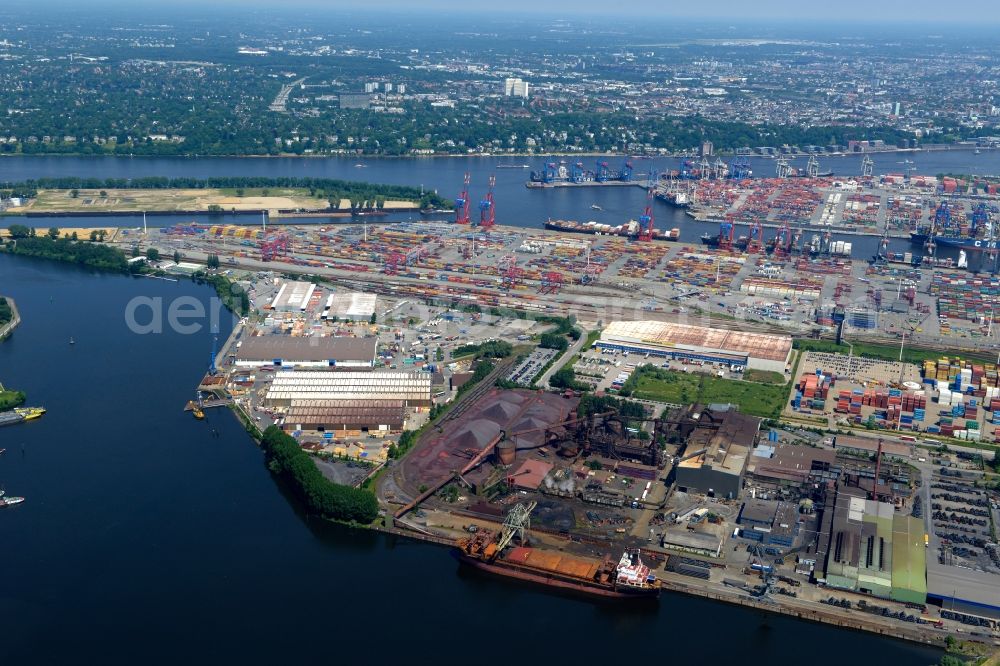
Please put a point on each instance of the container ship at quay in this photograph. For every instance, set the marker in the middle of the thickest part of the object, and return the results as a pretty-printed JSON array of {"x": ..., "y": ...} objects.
[
  {"x": 628, "y": 578},
  {"x": 960, "y": 242},
  {"x": 629, "y": 230}
]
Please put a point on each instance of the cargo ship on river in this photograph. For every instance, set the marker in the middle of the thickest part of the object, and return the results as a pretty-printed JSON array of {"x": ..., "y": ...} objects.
[
  {"x": 628, "y": 578},
  {"x": 628, "y": 230}
]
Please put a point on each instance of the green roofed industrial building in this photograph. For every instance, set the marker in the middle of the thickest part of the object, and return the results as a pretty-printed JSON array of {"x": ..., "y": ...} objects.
[
  {"x": 873, "y": 550},
  {"x": 909, "y": 562}
]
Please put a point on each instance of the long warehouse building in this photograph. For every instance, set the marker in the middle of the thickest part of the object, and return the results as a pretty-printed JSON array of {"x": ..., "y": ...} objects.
[
  {"x": 333, "y": 415},
  {"x": 307, "y": 352},
  {"x": 757, "y": 351},
  {"x": 412, "y": 388}
]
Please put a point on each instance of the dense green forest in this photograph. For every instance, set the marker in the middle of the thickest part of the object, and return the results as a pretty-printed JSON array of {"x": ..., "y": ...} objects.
[
  {"x": 91, "y": 255},
  {"x": 321, "y": 496},
  {"x": 444, "y": 131}
]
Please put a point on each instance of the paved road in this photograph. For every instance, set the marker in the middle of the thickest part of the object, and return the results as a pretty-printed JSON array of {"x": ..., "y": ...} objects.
[{"x": 561, "y": 360}]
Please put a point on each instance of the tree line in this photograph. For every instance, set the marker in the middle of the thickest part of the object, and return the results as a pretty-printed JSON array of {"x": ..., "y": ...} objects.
[
  {"x": 321, "y": 496},
  {"x": 489, "y": 349},
  {"x": 91, "y": 255}
]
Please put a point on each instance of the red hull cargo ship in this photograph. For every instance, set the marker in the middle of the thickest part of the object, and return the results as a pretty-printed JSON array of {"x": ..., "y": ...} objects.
[{"x": 627, "y": 578}]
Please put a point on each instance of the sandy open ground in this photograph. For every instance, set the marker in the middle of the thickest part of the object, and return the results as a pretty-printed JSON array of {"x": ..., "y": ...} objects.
[
  {"x": 81, "y": 233},
  {"x": 167, "y": 200}
]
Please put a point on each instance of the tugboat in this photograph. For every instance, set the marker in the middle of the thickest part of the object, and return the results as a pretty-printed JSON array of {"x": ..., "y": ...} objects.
[{"x": 195, "y": 409}]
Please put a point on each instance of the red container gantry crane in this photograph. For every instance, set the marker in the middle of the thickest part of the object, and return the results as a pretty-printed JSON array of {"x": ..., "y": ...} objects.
[
  {"x": 462, "y": 203},
  {"x": 487, "y": 209}
]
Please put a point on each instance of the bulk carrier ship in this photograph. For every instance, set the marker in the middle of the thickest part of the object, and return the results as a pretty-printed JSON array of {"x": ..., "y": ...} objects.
[{"x": 628, "y": 578}]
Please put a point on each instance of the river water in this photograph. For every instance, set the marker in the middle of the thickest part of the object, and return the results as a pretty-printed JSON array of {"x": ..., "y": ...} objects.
[
  {"x": 148, "y": 537},
  {"x": 515, "y": 205}
]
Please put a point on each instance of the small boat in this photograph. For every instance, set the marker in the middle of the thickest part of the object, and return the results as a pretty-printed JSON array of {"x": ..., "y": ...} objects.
[
  {"x": 10, "y": 501},
  {"x": 72, "y": 341},
  {"x": 29, "y": 413},
  {"x": 359, "y": 165},
  {"x": 595, "y": 207},
  {"x": 198, "y": 413}
]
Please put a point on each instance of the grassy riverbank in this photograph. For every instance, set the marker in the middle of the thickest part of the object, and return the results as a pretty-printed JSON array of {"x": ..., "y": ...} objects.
[
  {"x": 11, "y": 399},
  {"x": 231, "y": 294}
]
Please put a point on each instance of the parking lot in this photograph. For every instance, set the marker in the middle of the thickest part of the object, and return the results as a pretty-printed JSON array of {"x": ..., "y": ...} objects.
[
  {"x": 963, "y": 560},
  {"x": 607, "y": 370},
  {"x": 525, "y": 371}
]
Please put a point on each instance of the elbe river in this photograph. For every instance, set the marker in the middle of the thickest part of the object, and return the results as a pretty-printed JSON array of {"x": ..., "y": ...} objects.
[
  {"x": 149, "y": 537},
  {"x": 515, "y": 205}
]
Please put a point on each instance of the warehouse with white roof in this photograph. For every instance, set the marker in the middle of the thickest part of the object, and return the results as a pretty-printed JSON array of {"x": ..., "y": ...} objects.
[
  {"x": 758, "y": 351},
  {"x": 350, "y": 306},
  {"x": 293, "y": 296},
  {"x": 289, "y": 388}
]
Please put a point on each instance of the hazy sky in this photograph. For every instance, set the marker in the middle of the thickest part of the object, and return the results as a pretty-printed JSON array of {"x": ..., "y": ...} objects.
[
  {"x": 841, "y": 11},
  {"x": 974, "y": 12}
]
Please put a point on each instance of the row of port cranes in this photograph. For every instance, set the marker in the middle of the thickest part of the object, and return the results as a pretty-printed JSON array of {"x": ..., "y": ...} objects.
[
  {"x": 739, "y": 169},
  {"x": 561, "y": 172},
  {"x": 784, "y": 244},
  {"x": 980, "y": 225},
  {"x": 487, "y": 206}
]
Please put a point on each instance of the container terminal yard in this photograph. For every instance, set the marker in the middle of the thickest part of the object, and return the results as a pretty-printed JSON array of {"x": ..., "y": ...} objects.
[{"x": 359, "y": 333}]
